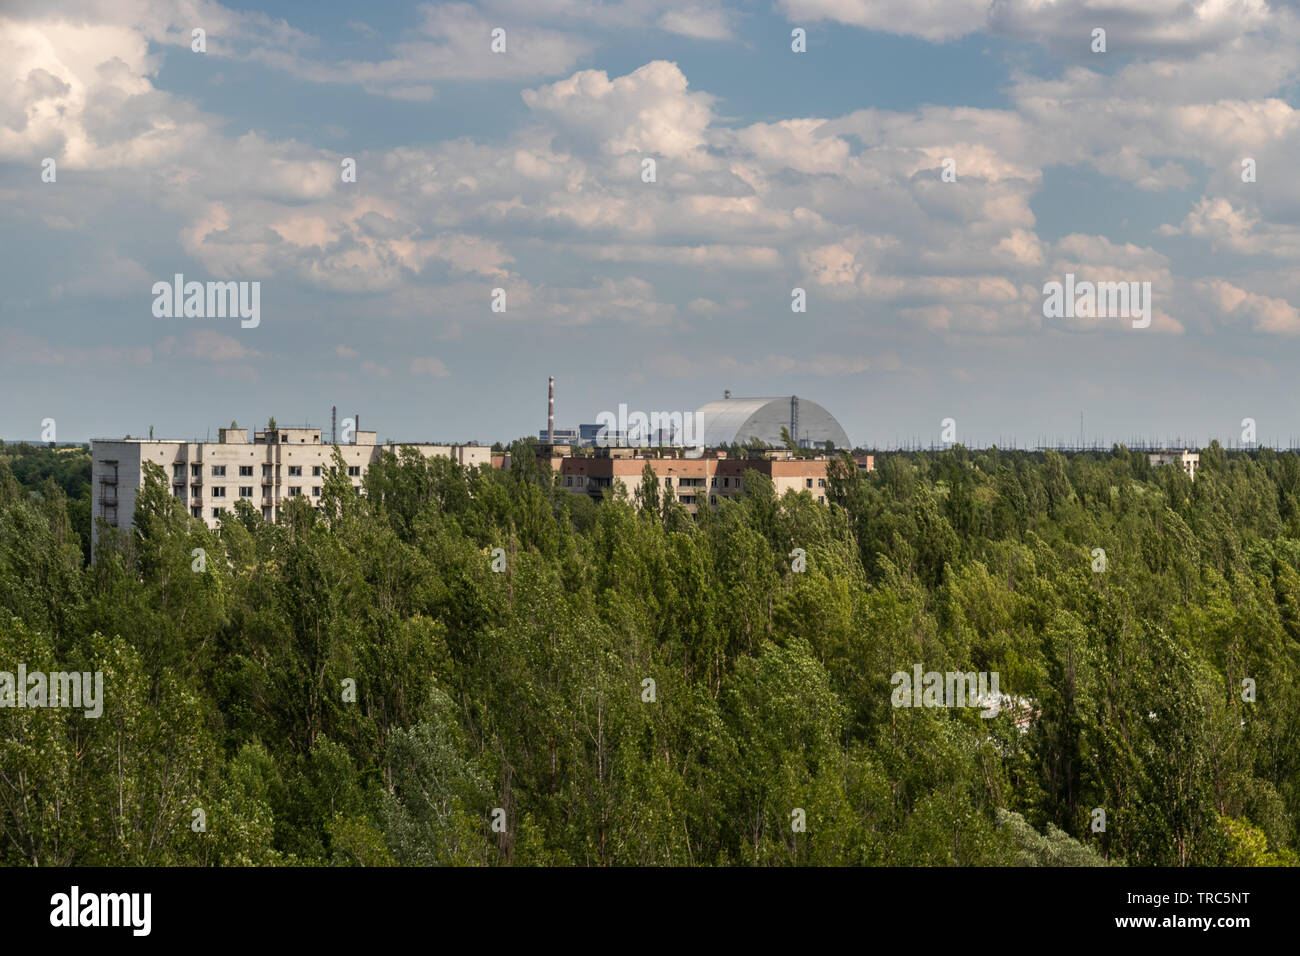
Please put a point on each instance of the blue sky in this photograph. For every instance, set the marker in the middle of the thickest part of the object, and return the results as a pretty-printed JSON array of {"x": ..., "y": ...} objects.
[{"x": 774, "y": 170}]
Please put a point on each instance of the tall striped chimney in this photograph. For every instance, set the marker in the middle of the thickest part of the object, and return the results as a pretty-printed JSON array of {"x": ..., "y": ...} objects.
[{"x": 550, "y": 411}]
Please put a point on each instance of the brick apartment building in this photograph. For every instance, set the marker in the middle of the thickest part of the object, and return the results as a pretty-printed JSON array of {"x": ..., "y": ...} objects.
[{"x": 695, "y": 481}]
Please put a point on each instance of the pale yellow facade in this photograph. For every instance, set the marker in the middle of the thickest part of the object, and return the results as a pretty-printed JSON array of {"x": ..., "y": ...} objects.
[{"x": 209, "y": 477}]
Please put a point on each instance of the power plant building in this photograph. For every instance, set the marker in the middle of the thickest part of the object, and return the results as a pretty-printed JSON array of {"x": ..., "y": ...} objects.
[{"x": 738, "y": 420}]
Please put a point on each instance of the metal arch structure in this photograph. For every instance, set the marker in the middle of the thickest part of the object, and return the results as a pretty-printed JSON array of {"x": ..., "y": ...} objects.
[{"x": 737, "y": 420}]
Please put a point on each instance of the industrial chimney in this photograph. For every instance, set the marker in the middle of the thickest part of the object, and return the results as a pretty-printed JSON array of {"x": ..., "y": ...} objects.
[
  {"x": 550, "y": 411},
  {"x": 356, "y": 429}
]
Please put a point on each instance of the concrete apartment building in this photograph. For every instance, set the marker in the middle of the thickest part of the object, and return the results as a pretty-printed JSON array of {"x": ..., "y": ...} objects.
[
  {"x": 209, "y": 477},
  {"x": 1187, "y": 460},
  {"x": 695, "y": 481}
]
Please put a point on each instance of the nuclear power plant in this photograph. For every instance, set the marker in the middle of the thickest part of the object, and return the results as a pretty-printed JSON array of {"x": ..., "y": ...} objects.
[
  {"x": 731, "y": 421},
  {"x": 268, "y": 467},
  {"x": 737, "y": 421}
]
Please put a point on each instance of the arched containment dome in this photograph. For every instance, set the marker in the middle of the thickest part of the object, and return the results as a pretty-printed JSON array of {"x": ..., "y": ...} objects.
[{"x": 737, "y": 420}]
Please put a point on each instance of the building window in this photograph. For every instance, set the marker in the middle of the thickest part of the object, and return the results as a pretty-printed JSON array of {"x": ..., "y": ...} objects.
[
  {"x": 668, "y": 481},
  {"x": 315, "y": 492},
  {"x": 294, "y": 491},
  {"x": 196, "y": 471},
  {"x": 245, "y": 471},
  {"x": 196, "y": 511},
  {"x": 178, "y": 471},
  {"x": 246, "y": 491},
  {"x": 713, "y": 482},
  {"x": 357, "y": 489},
  {"x": 713, "y": 499},
  {"x": 807, "y": 482},
  {"x": 726, "y": 482},
  {"x": 821, "y": 482},
  {"x": 295, "y": 471},
  {"x": 580, "y": 481},
  {"x": 266, "y": 471},
  {"x": 266, "y": 512},
  {"x": 194, "y": 491},
  {"x": 315, "y": 471},
  {"x": 218, "y": 492},
  {"x": 568, "y": 481},
  {"x": 216, "y": 512},
  {"x": 218, "y": 471},
  {"x": 354, "y": 471},
  {"x": 821, "y": 499}
]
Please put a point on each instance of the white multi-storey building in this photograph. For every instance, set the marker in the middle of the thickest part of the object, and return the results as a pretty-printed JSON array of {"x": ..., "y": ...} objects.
[
  {"x": 1187, "y": 460},
  {"x": 209, "y": 477}
]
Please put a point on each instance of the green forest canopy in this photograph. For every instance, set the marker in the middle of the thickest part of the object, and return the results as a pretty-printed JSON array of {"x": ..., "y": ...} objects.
[{"x": 509, "y": 717}]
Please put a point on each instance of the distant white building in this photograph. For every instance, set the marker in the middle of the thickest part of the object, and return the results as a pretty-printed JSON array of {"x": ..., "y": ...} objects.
[
  {"x": 737, "y": 420},
  {"x": 1187, "y": 459},
  {"x": 209, "y": 477}
]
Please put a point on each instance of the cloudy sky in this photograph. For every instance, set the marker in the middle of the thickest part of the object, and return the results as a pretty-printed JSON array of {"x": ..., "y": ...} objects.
[{"x": 774, "y": 170}]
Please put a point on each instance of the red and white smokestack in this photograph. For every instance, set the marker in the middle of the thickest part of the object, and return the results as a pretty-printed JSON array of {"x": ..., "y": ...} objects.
[{"x": 550, "y": 411}]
